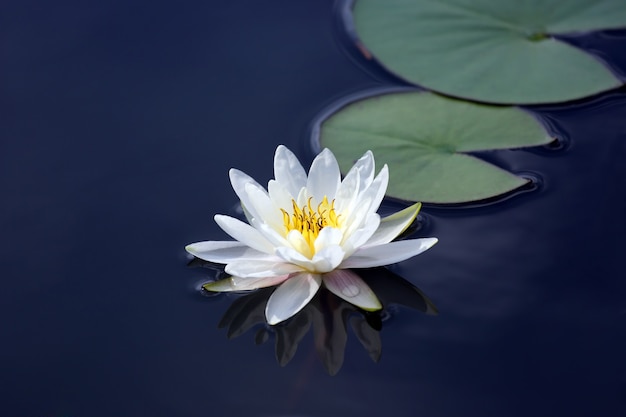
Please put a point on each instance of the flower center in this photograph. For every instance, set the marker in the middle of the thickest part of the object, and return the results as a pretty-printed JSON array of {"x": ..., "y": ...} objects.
[{"x": 309, "y": 221}]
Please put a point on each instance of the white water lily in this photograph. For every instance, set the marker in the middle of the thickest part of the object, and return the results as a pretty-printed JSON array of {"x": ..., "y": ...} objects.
[{"x": 307, "y": 230}]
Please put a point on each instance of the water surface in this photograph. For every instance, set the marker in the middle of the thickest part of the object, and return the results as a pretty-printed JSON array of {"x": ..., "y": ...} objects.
[{"x": 121, "y": 122}]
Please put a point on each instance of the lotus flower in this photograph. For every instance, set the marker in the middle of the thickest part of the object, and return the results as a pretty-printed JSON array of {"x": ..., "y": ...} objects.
[{"x": 307, "y": 230}]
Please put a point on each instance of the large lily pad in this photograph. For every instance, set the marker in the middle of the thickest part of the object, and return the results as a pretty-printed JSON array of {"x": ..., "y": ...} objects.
[
  {"x": 423, "y": 138},
  {"x": 498, "y": 51}
]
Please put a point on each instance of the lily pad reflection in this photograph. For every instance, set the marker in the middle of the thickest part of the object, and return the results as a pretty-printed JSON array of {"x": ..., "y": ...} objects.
[{"x": 329, "y": 316}]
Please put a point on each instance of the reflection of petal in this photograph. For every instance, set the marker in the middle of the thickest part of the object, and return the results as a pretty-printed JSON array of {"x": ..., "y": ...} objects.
[
  {"x": 291, "y": 296},
  {"x": 244, "y": 313},
  {"x": 393, "y": 289},
  {"x": 368, "y": 336},
  {"x": 261, "y": 336},
  {"x": 329, "y": 330},
  {"x": 288, "y": 337},
  {"x": 347, "y": 285},
  {"x": 328, "y": 314}
]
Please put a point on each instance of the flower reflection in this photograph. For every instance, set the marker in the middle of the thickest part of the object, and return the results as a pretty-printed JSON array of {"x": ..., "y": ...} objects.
[{"x": 328, "y": 315}]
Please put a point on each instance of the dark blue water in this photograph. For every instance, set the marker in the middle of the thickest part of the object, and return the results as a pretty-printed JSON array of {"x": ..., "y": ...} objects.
[{"x": 120, "y": 122}]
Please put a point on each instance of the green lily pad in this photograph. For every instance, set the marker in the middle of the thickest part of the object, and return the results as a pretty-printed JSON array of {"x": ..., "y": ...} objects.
[
  {"x": 423, "y": 138},
  {"x": 497, "y": 51}
]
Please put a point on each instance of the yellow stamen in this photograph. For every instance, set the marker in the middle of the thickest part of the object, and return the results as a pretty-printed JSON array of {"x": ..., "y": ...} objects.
[{"x": 310, "y": 222}]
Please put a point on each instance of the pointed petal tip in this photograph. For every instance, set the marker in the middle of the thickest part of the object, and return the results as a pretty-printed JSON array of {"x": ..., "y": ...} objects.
[
  {"x": 222, "y": 285},
  {"x": 415, "y": 208},
  {"x": 326, "y": 151},
  {"x": 232, "y": 172},
  {"x": 191, "y": 248},
  {"x": 291, "y": 296},
  {"x": 208, "y": 286},
  {"x": 282, "y": 152},
  {"x": 377, "y": 308},
  {"x": 273, "y": 321}
]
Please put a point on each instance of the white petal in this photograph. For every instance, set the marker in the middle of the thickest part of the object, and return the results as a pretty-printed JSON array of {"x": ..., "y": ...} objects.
[
  {"x": 238, "y": 180},
  {"x": 362, "y": 235},
  {"x": 387, "y": 254},
  {"x": 262, "y": 207},
  {"x": 328, "y": 236},
  {"x": 367, "y": 202},
  {"x": 276, "y": 238},
  {"x": 364, "y": 167},
  {"x": 356, "y": 219},
  {"x": 260, "y": 269},
  {"x": 288, "y": 171},
  {"x": 324, "y": 177},
  {"x": 244, "y": 233},
  {"x": 328, "y": 259},
  {"x": 347, "y": 192},
  {"x": 222, "y": 252},
  {"x": 356, "y": 181},
  {"x": 247, "y": 214},
  {"x": 391, "y": 226},
  {"x": 243, "y": 284},
  {"x": 349, "y": 286},
  {"x": 280, "y": 196},
  {"x": 291, "y": 297},
  {"x": 299, "y": 243},
  {"x": 377, "y": 189},
  {"x": 291, "y": 255},
  {"x": 303, "y": 197}
]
